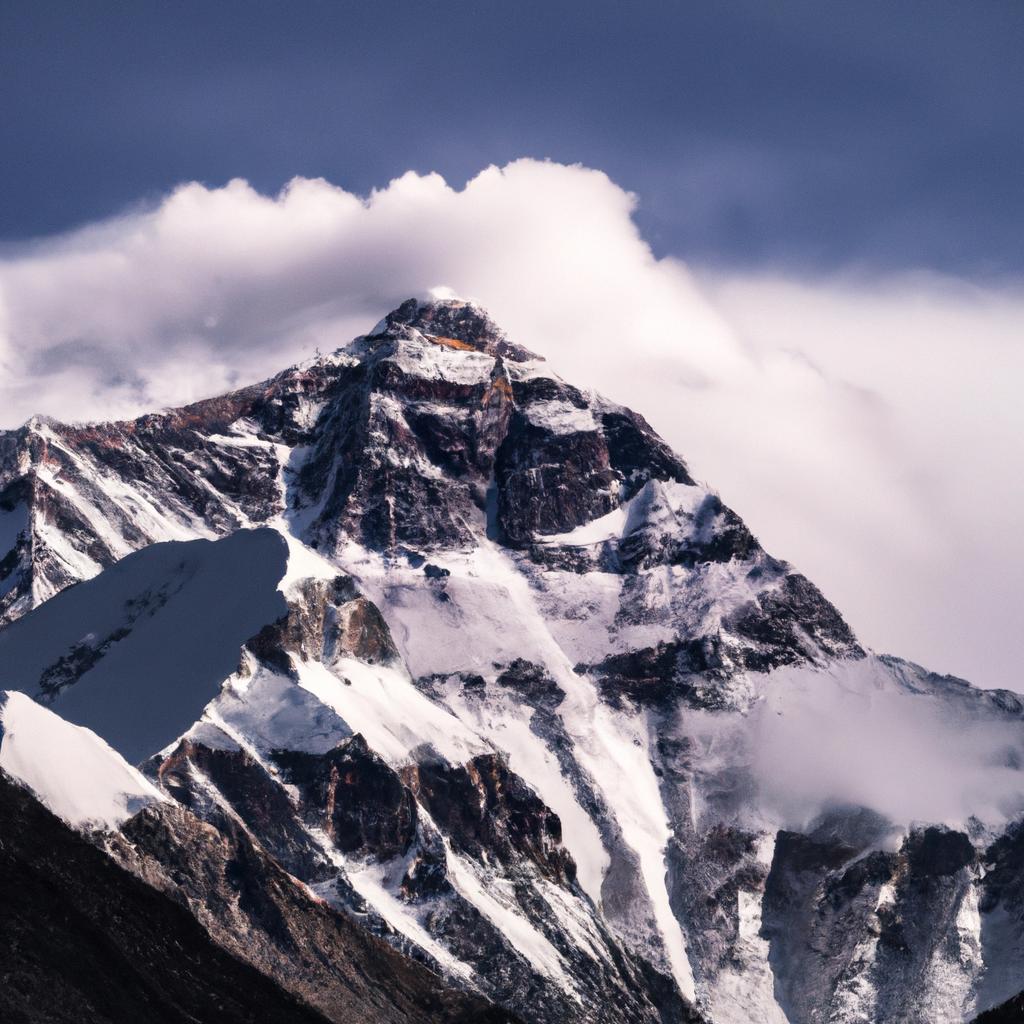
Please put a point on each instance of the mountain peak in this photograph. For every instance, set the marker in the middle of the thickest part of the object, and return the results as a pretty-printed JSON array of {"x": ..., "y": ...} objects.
[
  {"x": 466, "y": 651},
  {"x": 454, "y": 323}
]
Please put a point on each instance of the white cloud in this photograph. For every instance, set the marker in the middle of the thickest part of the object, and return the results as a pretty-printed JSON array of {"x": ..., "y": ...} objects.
[
  {"x": 867, "y": 432},
  {"x": 903, "y": 491},
  {"x": 854, "y": 736}
]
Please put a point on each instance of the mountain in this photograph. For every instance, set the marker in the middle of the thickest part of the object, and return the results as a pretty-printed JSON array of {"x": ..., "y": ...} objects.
[{"x": 418, "y": 646}]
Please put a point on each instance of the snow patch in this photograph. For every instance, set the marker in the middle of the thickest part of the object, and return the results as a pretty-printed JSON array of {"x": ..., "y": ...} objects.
[
  {"x": 303, "y": 561},
  {"x": 604, "y": 528},
  {"x": 495, "y": 898},
  {"x": 394, "y": 718},
  {"x": 743, "y": 991},
  {"x": 560, "y": 418},
  {"x": 70, "y": 769},
  {"x": 375, "y": 882},
  {"x": 422, "y": 359},
  {"x": 272, "y": 712}
]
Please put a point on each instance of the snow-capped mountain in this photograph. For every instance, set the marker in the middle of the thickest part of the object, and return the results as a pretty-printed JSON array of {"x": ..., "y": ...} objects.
[{"x": 418, "y": 645}]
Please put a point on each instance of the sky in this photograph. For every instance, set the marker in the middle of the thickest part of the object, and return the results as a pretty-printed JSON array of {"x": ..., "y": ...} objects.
[
  {"x": 801, "y": 133},
  {"x": 787, "y": 233}
]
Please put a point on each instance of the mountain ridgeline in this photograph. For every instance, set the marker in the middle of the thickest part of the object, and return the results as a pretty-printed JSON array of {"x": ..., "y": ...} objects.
[{"x": 424, "y": 686}]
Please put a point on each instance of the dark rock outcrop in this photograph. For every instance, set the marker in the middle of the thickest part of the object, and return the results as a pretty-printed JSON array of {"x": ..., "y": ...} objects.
[
  {"x": 451, "y": 323},
  {"x": 489, "y": 812},
  {"x": 264, "y": 916},
  {"x": 361, "y": 804},
  {"x": 82, "y": 941},
  {"x": 326, "y": 620}
]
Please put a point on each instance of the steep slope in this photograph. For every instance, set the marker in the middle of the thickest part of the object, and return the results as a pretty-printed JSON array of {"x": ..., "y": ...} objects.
[
  {"x": 70, "y": 769},
  {"x": 535, "y": 707},
  {"x": 385, "y": 836},
  {"x": 137, "y": 653},
  {"x": 84, "y": 942}
]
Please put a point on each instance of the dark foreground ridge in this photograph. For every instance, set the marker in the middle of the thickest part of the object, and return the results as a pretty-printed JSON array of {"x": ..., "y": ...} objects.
[
  {"x": 1010, "y": 1012},
  {"x": 84, "y": 942}
]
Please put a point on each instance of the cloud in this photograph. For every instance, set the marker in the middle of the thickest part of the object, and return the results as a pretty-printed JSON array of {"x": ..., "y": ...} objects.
[
  {"x": 867, "y": 430},
  {"x": 902, "y": 489},
  {"x": 852, "y": 736},
  {"x": 907, "y": 756}
]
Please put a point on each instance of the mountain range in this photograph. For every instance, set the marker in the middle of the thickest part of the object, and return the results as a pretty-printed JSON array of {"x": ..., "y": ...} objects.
[{"x": 416, "y": 684}]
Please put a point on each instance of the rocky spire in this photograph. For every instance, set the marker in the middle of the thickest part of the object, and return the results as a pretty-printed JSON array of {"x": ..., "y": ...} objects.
[{"x": 456, "y": 324}]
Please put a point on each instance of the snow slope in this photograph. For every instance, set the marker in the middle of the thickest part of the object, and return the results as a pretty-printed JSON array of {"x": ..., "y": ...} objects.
[
  {"x": 136, "y": 653},
  {"x": 70, "y": 769}
]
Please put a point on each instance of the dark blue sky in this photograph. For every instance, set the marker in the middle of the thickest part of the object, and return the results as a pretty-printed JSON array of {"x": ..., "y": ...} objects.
[{"x": 807, "y": 135}]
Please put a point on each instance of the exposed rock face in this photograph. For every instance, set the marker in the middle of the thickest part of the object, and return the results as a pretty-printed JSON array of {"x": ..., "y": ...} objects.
[
  {"x": 872, "y": 918},
  {"x": 360, "y": 803},
  {"x": 504, "y": 738},
  {"x": 78, "y": 498},
  {"x": 329, "y": 620},
  {"x": 488, "y": 811},
  {"x": 458, "y": 325},
  {"x": 262, "y": 915},
  {"x": 438, "y": 832}
]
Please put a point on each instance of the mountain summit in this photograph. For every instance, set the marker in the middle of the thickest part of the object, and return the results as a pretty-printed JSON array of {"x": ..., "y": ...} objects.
[
  {"x": 467, "y": 682},
  {"x": 454, "y": 324}
]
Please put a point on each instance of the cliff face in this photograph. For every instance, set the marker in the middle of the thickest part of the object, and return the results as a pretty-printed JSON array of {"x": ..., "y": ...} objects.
[{"x": 500, "y": 704}]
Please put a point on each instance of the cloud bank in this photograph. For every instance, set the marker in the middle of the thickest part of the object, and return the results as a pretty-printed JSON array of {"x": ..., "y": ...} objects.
[
  {"x": 868, "y": 431},
  {"x": 850, "y": 737},
  {"x": 853, "y": 736}
]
